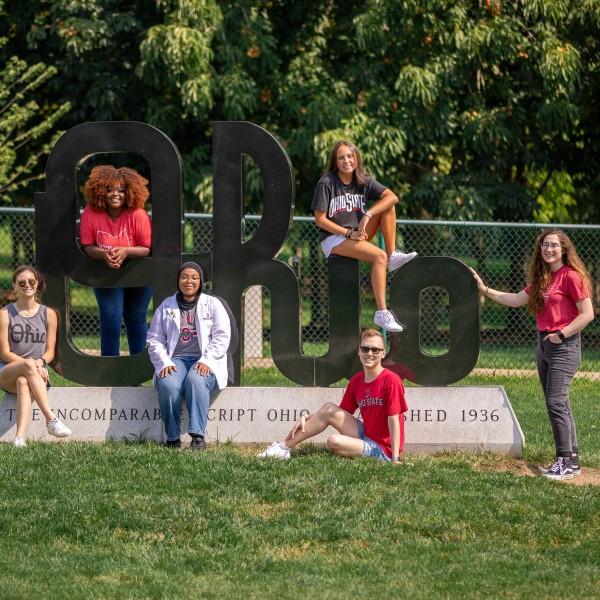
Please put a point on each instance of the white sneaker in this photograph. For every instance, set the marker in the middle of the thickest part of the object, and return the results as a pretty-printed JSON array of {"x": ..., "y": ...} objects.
[
  {"x": 19, "y": 442},
  {"x": 397, "y": 259},
  {"x": 385, "y": 319},
  {"x": 276, "y": 450},
  {"x": 58, "y": 429}
]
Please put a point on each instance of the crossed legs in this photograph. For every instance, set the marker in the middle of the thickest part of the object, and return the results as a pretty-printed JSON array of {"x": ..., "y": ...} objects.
[{"x": 22, "y": 378}]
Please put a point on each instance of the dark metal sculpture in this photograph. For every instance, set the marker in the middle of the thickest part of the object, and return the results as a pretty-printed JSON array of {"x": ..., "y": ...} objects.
[
  {"x": 60, "y": 258},
  {"x": 235, "y": 265},
  {"x": 453, "y": 276}
]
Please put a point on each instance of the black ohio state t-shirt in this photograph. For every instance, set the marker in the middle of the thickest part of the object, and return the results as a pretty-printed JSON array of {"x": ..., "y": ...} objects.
[{"x": 344, "y": 204}]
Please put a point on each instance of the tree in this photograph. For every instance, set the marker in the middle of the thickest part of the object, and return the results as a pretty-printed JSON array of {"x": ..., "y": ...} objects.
[
  {"x": 25, "y": 125},
  {"x": 472, "y": 110}
]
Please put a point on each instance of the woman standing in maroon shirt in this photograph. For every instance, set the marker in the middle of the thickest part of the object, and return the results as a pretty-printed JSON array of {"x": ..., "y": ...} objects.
[{"x": 558, "y": 293}]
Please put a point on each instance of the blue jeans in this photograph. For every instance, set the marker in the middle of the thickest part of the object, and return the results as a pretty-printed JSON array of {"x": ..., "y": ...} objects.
[
  {"x": 123, "y": 304},
  {"x": 196, "y": 388}
]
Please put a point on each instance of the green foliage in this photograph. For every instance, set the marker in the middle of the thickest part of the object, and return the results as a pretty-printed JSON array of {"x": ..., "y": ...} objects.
[
  {"x": 25, "y": 125},
  {"x": 446, "y": 99}
]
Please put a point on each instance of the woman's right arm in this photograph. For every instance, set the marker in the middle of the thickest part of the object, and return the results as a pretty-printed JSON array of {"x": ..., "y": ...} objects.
[
  {"x": 158, "y": 350},
  {"x": 323, "y": 222},
  {"x": 87, "y": 237},
  {"x": 95, "y": 252},
  {"x": 507, "y": 298},
  {"x": 5, "y": 354}
]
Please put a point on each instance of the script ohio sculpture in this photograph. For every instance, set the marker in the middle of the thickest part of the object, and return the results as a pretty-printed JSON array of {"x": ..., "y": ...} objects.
[{"x": 234, "y": 265}]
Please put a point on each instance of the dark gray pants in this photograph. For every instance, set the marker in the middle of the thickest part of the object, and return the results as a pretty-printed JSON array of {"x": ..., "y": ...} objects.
[{"x": 556, "y": 365}]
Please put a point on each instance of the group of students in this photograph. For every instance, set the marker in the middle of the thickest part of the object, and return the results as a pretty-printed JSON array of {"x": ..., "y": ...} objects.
[{"x": 190, "y": 331}]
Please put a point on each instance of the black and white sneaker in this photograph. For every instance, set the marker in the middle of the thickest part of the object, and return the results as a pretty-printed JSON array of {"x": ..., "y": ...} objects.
[
  {"x": 575, "y": 464},
  {"x": 560, "y": 470}
]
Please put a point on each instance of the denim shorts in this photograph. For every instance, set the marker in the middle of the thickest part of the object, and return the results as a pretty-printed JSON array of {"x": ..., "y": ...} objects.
[{"x": 371, "y": 449}]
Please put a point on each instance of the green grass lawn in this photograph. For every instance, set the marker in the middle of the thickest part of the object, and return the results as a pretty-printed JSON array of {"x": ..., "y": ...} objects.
[{"x": 140, "y": 521}]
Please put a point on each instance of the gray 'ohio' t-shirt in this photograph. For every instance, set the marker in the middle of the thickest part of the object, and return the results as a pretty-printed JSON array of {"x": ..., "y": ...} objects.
[
  {"x": 27, "y": 335},
  {"x": 344, "y": 204}
]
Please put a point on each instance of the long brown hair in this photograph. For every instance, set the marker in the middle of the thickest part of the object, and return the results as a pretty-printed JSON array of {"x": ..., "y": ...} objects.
[
  {"x": 103, "y": 177},
  {"x": 359, "y": 172},
  {"x": 539, "y": 273}
]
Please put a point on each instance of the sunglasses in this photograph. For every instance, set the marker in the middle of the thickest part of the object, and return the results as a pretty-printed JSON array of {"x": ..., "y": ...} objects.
[
  {"x": 372, "y": 349},
  {"x": 29, "y": 282}
]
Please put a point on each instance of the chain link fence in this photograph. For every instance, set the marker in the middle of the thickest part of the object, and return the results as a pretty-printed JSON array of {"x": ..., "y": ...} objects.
[{"x": 498, "y": 251}]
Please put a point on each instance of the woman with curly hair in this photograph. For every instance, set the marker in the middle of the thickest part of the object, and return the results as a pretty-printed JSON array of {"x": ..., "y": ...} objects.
[
  {"x": 27, "y": 341},
  {"x": 114, "y": 228},
  {"x": 558, "y": 294}
]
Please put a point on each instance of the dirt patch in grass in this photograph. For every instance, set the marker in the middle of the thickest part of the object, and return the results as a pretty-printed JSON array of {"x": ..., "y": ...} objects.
[{"x": 521, "y": 468}]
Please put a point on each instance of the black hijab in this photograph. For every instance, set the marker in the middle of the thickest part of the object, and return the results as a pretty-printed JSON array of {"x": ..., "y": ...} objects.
[{"x": 181, "y": 301}]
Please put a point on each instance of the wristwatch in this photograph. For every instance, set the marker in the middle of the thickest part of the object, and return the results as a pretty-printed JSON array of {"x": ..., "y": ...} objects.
[{"x": 561, "y": 335}]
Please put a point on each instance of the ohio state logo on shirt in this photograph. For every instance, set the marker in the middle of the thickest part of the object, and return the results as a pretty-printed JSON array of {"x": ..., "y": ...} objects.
[
  {"x": 188, "y": 334},
  {"x": 346, "y": 203},
  {"x": 107, "y": 240}
]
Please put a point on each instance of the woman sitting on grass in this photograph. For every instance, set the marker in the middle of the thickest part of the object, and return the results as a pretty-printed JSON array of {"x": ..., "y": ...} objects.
[{"x": 27, "y": 341}]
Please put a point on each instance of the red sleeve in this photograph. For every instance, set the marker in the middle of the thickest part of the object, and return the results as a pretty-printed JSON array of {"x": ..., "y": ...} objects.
[
  {"x": 395, "y": 401},
  {"x": 348, "y": 402},
  {"x": 87, "y": 227},
  {"x": 575, "y": 287},
  {"x": 142, "y": 229}
]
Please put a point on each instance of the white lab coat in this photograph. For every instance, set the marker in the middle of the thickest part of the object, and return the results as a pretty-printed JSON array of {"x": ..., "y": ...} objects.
[{"x": 214, "y": 332}]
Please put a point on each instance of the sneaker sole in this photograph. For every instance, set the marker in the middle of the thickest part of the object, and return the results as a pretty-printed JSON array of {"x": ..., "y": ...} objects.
[{"x": 563, "y": 477}]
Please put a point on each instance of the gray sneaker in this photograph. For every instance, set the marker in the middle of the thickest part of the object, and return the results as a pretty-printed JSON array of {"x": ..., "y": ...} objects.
[
  {"x": 58, "y": 429},
  {"x": 397, "y": 259},
  {"x": 559, "y": 471},
  {"x": 386, "y": 320}
]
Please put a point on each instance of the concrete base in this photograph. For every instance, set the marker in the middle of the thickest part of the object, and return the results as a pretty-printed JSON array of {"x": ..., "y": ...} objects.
[{"x": 438, "y": 419}]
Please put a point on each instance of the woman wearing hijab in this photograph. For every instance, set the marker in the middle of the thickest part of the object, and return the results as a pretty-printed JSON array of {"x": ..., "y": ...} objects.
[{"x": 188, "y": 341}]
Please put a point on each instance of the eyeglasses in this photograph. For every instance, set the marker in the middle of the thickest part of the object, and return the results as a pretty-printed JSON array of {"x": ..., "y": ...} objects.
[
  {"x": 372, "y": 349},
  {"x": 192, "y": 279},
  {"x": 29, "y": 282},
  {"x": 553, "y": 245}
]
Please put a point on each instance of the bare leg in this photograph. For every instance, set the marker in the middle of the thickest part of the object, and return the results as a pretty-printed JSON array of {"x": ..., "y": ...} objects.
[
  {"x": 23, "y": 406},
  {"x": 386, "y": 222},
  {"x": 39, "y": 391},
  {"x": 37, "y": 386},
  {"x": 345, "y": 445},
  {"x": 367, "y": 252},
  {"x": 328, "y": 414}
]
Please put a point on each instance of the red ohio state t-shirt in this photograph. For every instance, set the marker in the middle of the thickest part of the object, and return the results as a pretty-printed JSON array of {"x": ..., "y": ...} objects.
[
  {"x": 381, "y": 398},
  {"x": 566, "y": 288},
  {"x": 130, "y": 228}
]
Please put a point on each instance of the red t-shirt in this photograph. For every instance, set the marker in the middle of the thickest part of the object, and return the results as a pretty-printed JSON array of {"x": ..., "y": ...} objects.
[
  {"x": 130, "y": 228},
  {"x": 381, "y": 398},
  {"x": 566, "y": 288}
]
